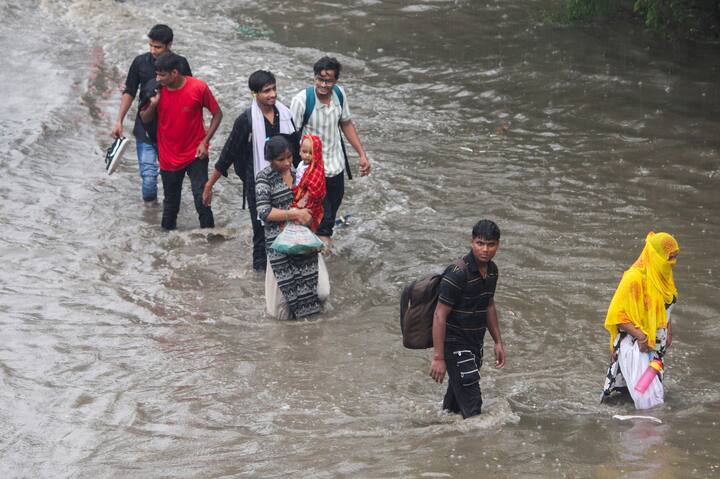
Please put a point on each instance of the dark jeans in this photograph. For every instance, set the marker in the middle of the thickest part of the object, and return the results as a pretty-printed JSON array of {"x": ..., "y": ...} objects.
[
  {"x": 463, "y": 357},
  {"x": 258, "y": 256},
  {"x": 335, "y": 186},
  {"x": 172, "y": 185}
]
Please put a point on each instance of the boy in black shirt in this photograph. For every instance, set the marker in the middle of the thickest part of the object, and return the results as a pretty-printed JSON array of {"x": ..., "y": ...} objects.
[
  {"x": 465, "y": 309},
  {"x": 244, "y": 149},
  {"x": 141, "y": 76}
]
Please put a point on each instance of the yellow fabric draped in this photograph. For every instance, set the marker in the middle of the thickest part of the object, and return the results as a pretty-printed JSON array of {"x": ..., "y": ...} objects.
[{"x": 645, "y": 288}]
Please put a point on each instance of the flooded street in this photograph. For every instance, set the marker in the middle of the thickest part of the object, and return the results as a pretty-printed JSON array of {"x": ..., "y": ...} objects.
[{"x": 128, "y": 351}]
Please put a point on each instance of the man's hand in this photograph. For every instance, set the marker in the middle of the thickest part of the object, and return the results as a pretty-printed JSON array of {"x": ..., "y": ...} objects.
[
  {"x": 207, "y": 195},
  {"x": 437, "y": 370},
  {"x": 149, "y": 111},
  {"x": 499, "y": 355},
  {"x": 117, "y": 130},
  {"x": 364, "y": 165},
  {"x": 155, "y": 99},
  {"x": 202, "y": 151}
]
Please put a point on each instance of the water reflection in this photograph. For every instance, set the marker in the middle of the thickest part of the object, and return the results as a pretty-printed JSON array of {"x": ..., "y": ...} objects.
[{"x": 642, "y": 450}]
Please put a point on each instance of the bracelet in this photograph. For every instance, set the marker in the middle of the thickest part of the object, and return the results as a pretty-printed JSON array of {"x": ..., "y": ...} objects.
[
  {"x": 643, "y": 341},
  {"x": 287, "y": 216},
  {"x": 438, "y": 357},
  {"x": 207, "y": 145}
]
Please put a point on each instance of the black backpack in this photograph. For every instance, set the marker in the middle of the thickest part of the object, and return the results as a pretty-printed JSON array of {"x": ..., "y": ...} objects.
[
  {"x": 417, "y": 308},
  {"x": 244, "y": 161}
]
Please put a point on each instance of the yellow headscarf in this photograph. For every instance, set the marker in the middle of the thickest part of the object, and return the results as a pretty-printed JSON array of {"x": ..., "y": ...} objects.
[{"x": 645, "y": 289}]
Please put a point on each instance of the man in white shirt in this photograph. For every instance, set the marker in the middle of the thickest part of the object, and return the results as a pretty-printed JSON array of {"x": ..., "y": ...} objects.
[{"x": 330, "y": 114}]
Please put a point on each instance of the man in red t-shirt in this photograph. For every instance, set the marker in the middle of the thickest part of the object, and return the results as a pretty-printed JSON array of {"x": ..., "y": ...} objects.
[{"x": 182, "y": 140}]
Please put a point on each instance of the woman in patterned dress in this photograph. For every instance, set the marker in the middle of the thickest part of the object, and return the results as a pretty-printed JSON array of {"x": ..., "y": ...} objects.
[
  {"x": 638, "y": 320},
  {"x": 296, "y": 275}
]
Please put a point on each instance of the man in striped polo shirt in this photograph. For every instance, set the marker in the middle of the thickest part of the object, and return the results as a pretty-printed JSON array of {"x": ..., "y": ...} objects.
[
  {"x": 465, "y": 309},
  {"x": 330, "y": 114}
]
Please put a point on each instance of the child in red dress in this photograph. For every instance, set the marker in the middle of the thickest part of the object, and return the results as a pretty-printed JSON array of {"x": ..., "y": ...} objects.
[{"x": 309, "y": 189}]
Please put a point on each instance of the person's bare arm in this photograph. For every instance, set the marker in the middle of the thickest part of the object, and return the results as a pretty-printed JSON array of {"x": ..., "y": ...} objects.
[
  {"x": 298, "y": 215},
  {"x": 207, "y": 191},
  {"x": 202, "y": 149},
  {"x": 438, "y": 366},
  {"x": 494, "y": 328},
  {"x": 348, "y": 128},
  {"x": 637, "y": 333},
  {"x": 125, "y": 103}
]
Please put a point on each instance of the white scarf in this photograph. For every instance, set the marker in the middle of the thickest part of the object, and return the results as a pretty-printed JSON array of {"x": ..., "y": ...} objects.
[{"x": 259, "y": 135}]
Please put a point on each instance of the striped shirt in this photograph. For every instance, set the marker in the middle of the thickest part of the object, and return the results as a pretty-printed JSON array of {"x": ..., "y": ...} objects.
[
  {"x": 468, "y": 293},
  {"x": 323, "y": 122}
]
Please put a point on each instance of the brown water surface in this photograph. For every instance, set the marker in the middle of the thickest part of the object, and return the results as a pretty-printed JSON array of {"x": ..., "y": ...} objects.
[{"x": 130, "y": 352}]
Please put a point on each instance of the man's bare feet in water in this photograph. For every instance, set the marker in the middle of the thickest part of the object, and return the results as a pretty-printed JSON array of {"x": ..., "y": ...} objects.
[{"x": 327, "y": 248}]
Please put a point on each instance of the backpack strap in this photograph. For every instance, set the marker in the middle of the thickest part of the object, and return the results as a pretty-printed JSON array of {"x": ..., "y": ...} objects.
[
  {"x": 340, "y": 95},
  {"x": 309, "y": 106},
  {"x": 248, "y": 115},
  {"x": 460, "y": 263}
]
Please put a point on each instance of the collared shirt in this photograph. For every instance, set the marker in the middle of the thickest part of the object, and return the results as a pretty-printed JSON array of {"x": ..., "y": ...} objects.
[
  {"x": 237, "y": 145},
  {"x": 142, "y": 70},
  {"x": 468, "y": 293},
  {"x": 323, "y": 122}
]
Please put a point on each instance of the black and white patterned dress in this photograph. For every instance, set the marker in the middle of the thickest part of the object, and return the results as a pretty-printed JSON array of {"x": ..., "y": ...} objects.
[{"x": 297, "y": 275}]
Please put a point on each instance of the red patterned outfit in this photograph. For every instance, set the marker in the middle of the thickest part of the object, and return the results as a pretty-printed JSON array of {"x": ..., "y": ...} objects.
[{"x": 312, "y": 184}]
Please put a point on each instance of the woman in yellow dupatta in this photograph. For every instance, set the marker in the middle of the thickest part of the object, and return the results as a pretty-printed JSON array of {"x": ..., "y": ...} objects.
[{"x": 640, "y": 309}]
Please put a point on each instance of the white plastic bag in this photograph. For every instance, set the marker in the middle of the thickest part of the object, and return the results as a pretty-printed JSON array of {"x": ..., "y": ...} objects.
[
  {"x": 275, "y": 301},
  {"x": 296, "y": 239},
  {"x": 323, "y": 291},
  {"x": 633, "y": 364}
]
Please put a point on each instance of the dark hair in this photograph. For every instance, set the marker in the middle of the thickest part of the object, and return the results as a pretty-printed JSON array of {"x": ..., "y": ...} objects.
[
  {"x": 168, "y": 62},
  {"x": 259, "y": 79},
  {"x": 327, "y": 63},
  {"x": 161, "y": 33},
  {"x": 486, "y": 229},
  {"x": 276, "y": 147}
]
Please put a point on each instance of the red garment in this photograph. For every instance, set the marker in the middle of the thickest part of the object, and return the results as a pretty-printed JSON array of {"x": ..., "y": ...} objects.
[
  {"x": 312, "y": 184},
  {"x": 180, "y": 122}
]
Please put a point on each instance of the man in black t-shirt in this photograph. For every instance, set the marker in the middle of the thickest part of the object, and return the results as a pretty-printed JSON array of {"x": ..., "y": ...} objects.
[
  {"x": 465, "y": 310},
  {"x": 141, "y": 76}
]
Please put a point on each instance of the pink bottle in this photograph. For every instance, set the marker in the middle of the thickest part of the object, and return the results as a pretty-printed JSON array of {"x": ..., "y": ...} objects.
[{"x": 647, "y": 377}]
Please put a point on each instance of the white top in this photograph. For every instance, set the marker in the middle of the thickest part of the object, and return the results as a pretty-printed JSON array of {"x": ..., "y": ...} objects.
[
  {"x": 323, "y": 122},
  {"x": 300, "y": 172}
]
